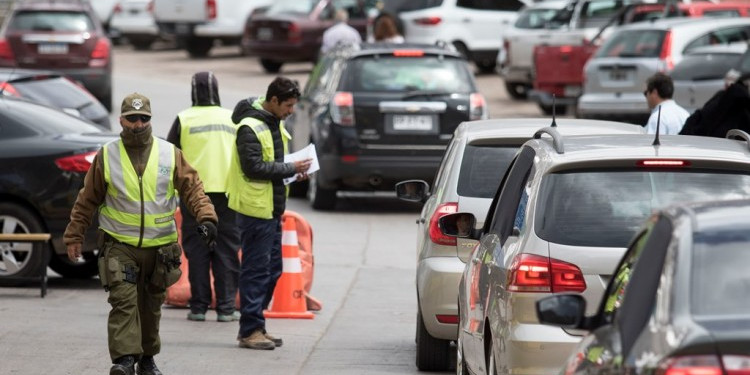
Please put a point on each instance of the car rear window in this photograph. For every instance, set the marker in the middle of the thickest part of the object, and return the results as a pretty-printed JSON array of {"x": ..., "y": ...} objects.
[
  {"x": 633, "y": 43},
  {"x": 535, "y": 18},
  {"x": 704, "y": 66},
  {"x": 721, "y": 13},
  {"x": 51, "y": 21},
  {"x": 54, "y": 91},
  {"x": 720, "y": 259},
  {"x": 421, "y": 4},
  {"x": 606, "y": 208},
  {"x": 482, "y": 168},
  {"x": 291, "y": 6},
  {"x": 402, "y": 74},
  {"x": 21, "y": 119}
]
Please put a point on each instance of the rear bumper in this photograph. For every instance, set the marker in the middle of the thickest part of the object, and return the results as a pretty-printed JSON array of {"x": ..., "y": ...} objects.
[
  {"x": 437, "y": 287},
  {"x": 517, "y": 74},
  {"x": 612, "y": 104},
  {"x": 535, "y": 349},
  {"x": 544, "y": 98}
]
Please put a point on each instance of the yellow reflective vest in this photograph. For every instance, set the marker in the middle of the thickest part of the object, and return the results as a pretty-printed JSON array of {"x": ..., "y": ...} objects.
[
  {"x": 207, "y": 136},
  {"x": 139, "y": 210}
]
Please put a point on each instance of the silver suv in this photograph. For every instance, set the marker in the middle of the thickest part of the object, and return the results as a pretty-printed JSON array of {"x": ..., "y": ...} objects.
[
  {"x": 469, "y": 174},
  {"x": 562, "y": 219}
]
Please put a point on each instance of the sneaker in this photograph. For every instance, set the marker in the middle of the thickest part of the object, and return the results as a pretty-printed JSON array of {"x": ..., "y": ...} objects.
[
  {"x": 147, "y": 366},
  {"x": 233, "y": 317},
  {"x": 276, "y": 340},
  {"x": 124, "y": 365},
  {"x": 257, "y": 340},
  {"x": 196, "y": 317}
]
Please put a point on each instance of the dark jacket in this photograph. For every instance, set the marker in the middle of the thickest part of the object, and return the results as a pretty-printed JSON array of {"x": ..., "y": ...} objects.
[
  {"x": 728, "y": 109},
  {"x": 251, "y": 154}
]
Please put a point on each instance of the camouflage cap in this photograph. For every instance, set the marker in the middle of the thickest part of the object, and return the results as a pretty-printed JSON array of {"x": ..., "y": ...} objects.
[{"x": 135, "y": 104}]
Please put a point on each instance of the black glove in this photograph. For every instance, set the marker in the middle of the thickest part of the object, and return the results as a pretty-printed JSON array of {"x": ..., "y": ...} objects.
[{"x": 207, "y": 230}]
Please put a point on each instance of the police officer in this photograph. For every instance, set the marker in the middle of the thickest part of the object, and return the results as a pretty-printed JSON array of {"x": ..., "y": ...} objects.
[
  {"x": 256, "y": 190},
  {"x": 205, "y": 133},
  {"x": 132, "y": 183}
]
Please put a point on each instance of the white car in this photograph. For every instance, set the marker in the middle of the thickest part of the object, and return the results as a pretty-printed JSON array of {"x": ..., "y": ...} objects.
[
  {"x": 134, "y": 20},
  {"x": 474, "y": 27}
]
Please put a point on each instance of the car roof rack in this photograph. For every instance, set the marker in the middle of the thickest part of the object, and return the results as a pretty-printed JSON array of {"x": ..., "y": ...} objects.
[
  {"x": 737, "y": 134},
  {"x": 557, "y": 139}
]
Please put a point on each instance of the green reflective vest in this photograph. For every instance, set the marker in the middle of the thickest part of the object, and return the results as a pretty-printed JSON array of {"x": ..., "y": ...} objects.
[
  {"x": 207, "y": 135},
  {"x": 139, "y": 210},
  {"x": 248, "y": 196}
]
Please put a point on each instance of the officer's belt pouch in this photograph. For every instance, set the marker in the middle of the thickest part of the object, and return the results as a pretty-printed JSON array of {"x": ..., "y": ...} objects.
[
  {"x": 167, "y": 269},
  {"x": 111, "y": 272}
]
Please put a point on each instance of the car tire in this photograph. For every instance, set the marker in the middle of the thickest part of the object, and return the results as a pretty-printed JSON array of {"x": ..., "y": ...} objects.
[
  {"x": 560, "y": 109},
  {"x": 486, "y": 67},
  {"x": 142, "y": 44},
  {"x": 298, "y": 189},
  {"x": 432, "y": 354},
  {"x": 199, "y": 47},
  {"x": 26, "y": 258},
  {"x": 320, "y": 198},
  {"x": 86, "y": 269},
  {"x": 271, "y": 66},
  {"x": 516, "y": 91}
]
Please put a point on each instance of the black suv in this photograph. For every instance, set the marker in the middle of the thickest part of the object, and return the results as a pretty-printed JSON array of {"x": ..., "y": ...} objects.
[{"x": 381, "y": 113}]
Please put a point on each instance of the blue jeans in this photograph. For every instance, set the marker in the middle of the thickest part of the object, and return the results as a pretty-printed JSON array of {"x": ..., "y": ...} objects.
[{"x": 261, "y": 268}]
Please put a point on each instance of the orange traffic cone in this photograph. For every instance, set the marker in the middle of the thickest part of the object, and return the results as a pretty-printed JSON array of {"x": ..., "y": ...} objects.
[{"x": 289, "y": 295}]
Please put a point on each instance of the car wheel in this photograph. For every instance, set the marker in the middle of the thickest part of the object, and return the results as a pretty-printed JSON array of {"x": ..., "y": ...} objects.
[
  {"x": 432, "y": 354},
  {"x": 560, "y": 109},
  {"x": 142, "y": 44},
  {"x": 516, "y": 91},
  {"x": 298, "y": 189},
  {"x": 270, "y": 66},
  {"x": 486, "y": 67},
  {"x": 20, "y": 259},
  {"x": 461, "y": 48},
  {"x": 199, "y": 47},
  {"x": 84, "y": 269},
  {"x": 320, "y": 198}
]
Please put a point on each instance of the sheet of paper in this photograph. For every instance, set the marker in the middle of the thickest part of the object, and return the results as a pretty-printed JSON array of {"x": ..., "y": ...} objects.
[{"x": 306, "y": 153}]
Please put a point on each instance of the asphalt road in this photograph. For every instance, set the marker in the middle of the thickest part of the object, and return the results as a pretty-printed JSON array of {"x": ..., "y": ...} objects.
[{"x": 364, "y": 257}]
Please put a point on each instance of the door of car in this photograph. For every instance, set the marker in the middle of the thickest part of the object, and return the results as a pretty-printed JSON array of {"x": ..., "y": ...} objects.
[{"x": 302, "y": 121}]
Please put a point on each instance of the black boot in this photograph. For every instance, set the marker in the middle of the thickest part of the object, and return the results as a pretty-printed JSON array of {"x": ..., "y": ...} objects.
[
  {"x": 124, "y": 365},
  {"x": 147, "y": 366}
]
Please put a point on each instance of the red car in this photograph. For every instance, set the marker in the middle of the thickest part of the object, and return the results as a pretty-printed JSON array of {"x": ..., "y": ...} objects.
[{"x": 64, "y": 36}]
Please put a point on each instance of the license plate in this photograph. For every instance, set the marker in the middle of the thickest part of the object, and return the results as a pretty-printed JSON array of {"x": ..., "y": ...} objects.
[
  {"x": 264, "y": 33},
  {"x": 618, "y": 74},
  {"x": 572, "y": 90},
  {"x": 412, "y": 122},
  {"x": 52, "y": 48}
]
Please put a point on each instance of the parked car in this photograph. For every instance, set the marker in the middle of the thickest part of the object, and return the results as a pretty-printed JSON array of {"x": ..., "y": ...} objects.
[
  {"x": 104, "y": 10},
  {"x": 474, "y": 27},
  {"x": 56, "y": 90},
  {"x": 702, "y": 72},
  {"x": 64, "y": 36},
  {"x": 134, "y": 20},
  {"x": 380, "y": 113},
  {"x": 474, "y": 162},
  {"x": 44, "y": 156},
  {"x": 615, "y": 77},
  {"x": 560, "y": 222},
  {"x": 678, "y": 301}
]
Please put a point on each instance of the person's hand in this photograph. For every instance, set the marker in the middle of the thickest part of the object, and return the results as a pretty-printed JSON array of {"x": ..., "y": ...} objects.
[
  {"x": 74, "y": 251},
  {"x": 302, "y": 176},
  {"x": 208, "y": 231},
  {"x": 301, "y": 166}
]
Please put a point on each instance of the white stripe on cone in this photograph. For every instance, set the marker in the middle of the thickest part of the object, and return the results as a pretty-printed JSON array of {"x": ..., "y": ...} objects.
[
  {"x": 291, "y": 265},
  {"x": 289, "y": 238}
]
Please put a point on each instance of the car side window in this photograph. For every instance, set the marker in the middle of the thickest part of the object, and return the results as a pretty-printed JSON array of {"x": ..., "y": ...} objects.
[
  {"x": 510, "y": 194},
  {"x": 445, "y": 163},
  {"x": 616, "y": 288},
  {"x": 509, "y": 5},
  {"x": 318, "y": 76},
  {"x": 521, "y": 211},
  {"x": 726, "y": 35}
]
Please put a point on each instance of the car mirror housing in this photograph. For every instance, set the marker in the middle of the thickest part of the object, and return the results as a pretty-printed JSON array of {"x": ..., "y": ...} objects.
[
  {"x": 459, "y": 225},
  {"x": 413, "y": 190},
  {"x": 563, "y": 310}
]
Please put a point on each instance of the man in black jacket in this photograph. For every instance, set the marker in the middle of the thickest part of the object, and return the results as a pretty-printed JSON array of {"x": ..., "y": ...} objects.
[{"x": 727, "y": 109}]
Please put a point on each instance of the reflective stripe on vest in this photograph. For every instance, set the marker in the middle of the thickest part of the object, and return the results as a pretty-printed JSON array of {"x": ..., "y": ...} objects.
[
  {"x": 207, "y": 135},
  {"x": 139, "y": 211}
]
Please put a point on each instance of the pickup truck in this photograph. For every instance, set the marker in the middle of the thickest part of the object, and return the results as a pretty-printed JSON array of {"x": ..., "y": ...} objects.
[{"x": 197, "y": 24}]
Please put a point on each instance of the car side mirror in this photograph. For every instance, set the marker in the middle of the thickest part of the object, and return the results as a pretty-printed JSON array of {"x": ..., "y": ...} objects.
[
  {"x": 459, "y": 225},
  {"x": 562, "y": 310},
  {"x": 413, "y": 190}
]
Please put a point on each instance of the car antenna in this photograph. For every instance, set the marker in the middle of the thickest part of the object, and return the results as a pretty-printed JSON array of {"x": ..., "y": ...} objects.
[
  {"x": 554, "y": 124},
  {"x": 658, "y": 120}
]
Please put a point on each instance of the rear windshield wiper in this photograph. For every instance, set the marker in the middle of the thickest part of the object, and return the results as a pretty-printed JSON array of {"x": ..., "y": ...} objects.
[{"x": 415, "y": 93}]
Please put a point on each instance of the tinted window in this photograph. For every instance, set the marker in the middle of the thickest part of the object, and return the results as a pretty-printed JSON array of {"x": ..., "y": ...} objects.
[
  {"x": 421, "y": 4},
  {"x": 704, "y": 66},
  {"x": 38, "y": 119},
  {"x": 51, "y": 21},
  {"x": 482, "y": 168},
  {"x": 408, "y": 74},
  {"x": 490, "y": 4},
  {"x": 58, "y": 92},
  {"x": 291, "y": 6},
  {"x": 598, "y": 13},
  {"x": 721, "y": 13},
  {"x": 720, "y": 280},
  {"x": 606, "y": 208},
  {"x": 633, "y": 43},
  {"x": 535, "y": 18}
]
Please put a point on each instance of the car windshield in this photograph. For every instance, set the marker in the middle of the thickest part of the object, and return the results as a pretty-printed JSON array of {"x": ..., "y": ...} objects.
[
  {"x": 482, "y": 168},
  {"x": 720, "y": 280},
  {"x": 291, "y": 6},
  {"x": 405, "y": 74},
  {"x": 51, "y": 21},
  {"x": 704, "y": 66},
  {"x": 604, "y": 209},
  {"x": 535, "y": 18},
  {"x": 633, "y": 43}
]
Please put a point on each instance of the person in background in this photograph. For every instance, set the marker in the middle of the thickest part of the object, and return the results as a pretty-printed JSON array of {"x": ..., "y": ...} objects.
[
  {"x": 132, "y": 185},
  {"x": 256, "y": 191},
  {"x": 386, "y": 30},
  {"x": 340, "y": 33},
  {"x": 727, "y": 109},
  {"x": 671, "y": 117},
  {"x": 205, "y": 133}
]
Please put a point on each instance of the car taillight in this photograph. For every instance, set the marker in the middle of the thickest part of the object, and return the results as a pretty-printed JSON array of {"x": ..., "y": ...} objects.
[
  {"x": 690, "y": 365},
  {"x": 436, "y": 236},
  {"x": 211, "y": 9},
  {"x": 664, "y": 163},
  {"x": 294, "y": 33},
  {"x": 666, "y": 53},
  {"x": 447, "y": 319},
  {"x": 342, "y": 108},
  {"x": 408, "y": 53},
  {"x": 8, "y": 89},
  {"x": 477, "y": 107},
  {"x": 538, "y": 274},
  {"x": 6, "y": 53},
  {"x": 76, "y": 163},
  {"x": 100, "y": 54},
  {"x": 428, "y": 21},
  {"x": 117, "y": 9},
  {"x": 736, "y": 364},
  {"x": 150, "y": 7}
]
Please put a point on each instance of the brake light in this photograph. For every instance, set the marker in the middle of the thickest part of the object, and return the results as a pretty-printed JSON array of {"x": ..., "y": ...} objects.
[
  {"x": 668, "y": 163},
  {"x": 100, "y": 54},
  {"x": 8, "y": 89},
  {"x": 211, "y": 9},
  {"x": 117, "y": 9},
  {"x": 6, "y": 53},
  {"x": 408, "y": 53},
  {"x": 428, "y": 21},
  {"x": 666, "y": 53},
  {"x": 76, "y": 163},
  {"x": 736, "y": 364},
  {"x": 538, "y": 274},
  {"x": 435, "y": 235},
  {"x": 477, "y": 107},
  {"x": 342, "y": 110},
  {"x": 691, "y": 365},
  {"x": 150, "y": 7},
  {"x": 294, "y": 33},
  {"x": 566, "y": 49}
]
